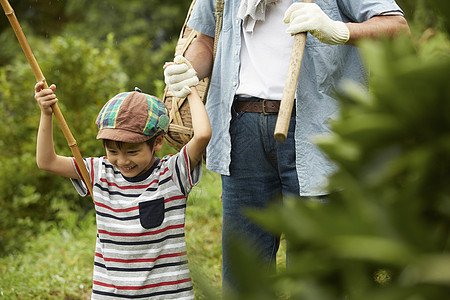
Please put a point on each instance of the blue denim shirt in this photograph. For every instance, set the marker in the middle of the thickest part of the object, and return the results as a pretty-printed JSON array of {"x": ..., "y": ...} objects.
[{"x": 323, "y": 67}]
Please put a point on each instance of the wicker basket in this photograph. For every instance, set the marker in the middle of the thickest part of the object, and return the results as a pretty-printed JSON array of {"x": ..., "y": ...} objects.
[{"x": 180, "y": 126}]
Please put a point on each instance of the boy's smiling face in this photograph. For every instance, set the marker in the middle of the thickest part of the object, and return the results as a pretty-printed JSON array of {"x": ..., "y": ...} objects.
[{"x": 131, "y": 159}]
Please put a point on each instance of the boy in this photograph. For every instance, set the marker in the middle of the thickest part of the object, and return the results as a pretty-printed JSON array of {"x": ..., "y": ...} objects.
[{"x": 140, "y": 200}]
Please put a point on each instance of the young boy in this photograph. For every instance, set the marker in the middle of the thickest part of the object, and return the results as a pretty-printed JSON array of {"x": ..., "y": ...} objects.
[{"x": 140, "y": 200}]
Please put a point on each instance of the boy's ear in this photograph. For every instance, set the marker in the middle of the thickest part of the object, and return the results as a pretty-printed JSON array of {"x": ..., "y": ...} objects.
[{"x": 159, "y": 141}]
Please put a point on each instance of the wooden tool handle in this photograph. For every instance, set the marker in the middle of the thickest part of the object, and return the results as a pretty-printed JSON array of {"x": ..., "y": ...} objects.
[
  {"x": 287, "y": 100},
  {"x": 6, "y": 7}
]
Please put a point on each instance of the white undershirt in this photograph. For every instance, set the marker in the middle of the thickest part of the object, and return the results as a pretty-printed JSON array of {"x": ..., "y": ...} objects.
[{"x": 265, "y": 55}]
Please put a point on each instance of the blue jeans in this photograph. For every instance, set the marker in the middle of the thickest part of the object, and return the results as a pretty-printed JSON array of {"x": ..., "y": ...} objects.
[{"x": 261, "y": 171}]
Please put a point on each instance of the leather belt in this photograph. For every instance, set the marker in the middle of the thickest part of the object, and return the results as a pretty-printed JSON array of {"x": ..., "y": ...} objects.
[{"x": 257, "y": 105}]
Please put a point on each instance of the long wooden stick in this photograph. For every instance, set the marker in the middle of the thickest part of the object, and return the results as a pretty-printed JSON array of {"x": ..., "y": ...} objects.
[
  {"x": 9, "y": 12},
  {"x": 287, "y": 100}
]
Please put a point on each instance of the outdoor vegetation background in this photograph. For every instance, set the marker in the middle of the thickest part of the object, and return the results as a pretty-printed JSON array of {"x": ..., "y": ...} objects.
[{"x": 385, "y": 235}]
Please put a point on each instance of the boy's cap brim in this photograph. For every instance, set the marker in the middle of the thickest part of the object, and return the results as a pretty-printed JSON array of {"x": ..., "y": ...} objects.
[{"x": 121, "y": 135}]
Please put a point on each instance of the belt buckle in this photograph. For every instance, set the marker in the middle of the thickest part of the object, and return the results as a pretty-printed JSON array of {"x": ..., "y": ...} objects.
[{"x": 264, "y": 108}]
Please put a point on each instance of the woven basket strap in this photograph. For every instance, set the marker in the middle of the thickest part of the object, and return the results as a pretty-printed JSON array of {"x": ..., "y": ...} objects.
[
  {"x": 219, "y": 18},
  {"x": 187, "y": 17}
]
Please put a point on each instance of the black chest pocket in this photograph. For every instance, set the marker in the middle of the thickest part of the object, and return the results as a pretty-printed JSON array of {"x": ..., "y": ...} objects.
[{"x": 151, "y": 213}]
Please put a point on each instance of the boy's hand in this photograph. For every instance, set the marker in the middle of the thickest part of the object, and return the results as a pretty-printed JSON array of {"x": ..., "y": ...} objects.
[
  {"x": 45, "y": 97},
  {"x": 180, "y": 76}
]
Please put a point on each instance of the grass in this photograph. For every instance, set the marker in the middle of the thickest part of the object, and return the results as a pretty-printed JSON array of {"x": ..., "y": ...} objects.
[
  {"x": 54, "y": 265},
  {"x": 58, "y": 263},
  {"x": 203, "y": 234}
]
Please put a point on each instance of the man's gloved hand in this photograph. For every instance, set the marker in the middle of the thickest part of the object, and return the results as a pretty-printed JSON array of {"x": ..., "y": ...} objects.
[
  {"x": 310, "y": 17},
  {"x": 179, "y": 76}
]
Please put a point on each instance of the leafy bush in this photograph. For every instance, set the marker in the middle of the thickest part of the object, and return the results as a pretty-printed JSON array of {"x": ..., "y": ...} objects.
[
  {"x": 103, "y": 48},
  {"x": 145, "y": 31},
  {"x": 86, "y": 78}
]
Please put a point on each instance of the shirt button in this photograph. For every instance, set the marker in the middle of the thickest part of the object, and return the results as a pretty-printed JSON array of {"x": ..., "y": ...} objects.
[
  {"x": 234, "y": 83},
  {"x": 235, "y": 52},
  {"x": 237, "y": 21}
]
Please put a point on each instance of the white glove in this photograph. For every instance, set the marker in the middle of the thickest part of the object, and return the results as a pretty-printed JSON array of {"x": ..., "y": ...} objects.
[
  {"x": 179, "y": 76},
  {"x": 310, "y": 17}
]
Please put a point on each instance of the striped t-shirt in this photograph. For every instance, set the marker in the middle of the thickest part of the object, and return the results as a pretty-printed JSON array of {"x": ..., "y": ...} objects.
[{"x": 141, "y": 248}]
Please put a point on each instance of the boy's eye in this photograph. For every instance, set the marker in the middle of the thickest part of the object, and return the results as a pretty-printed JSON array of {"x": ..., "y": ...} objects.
[{"x": 132, "y": 152}]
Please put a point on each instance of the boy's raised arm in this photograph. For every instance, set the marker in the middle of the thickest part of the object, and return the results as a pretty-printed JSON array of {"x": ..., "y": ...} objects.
[
  {"x": 181, "y": 79},
  {"x": 46, "y": 157},
  {"x": 202, "y": 128}
]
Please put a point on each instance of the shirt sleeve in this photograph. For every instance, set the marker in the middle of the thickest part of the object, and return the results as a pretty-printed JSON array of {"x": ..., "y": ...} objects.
[
  {"x": 202, "y": 17},
  {"x": 79, "y": 184},
  {"x": 363, "y": 10},
  {"x": 179, "y": 165}
]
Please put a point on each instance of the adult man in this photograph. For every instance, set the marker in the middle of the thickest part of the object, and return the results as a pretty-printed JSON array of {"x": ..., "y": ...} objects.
[{"x": 250, "y": 68}]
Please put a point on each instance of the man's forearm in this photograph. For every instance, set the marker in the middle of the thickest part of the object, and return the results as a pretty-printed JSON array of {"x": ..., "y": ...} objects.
[
  {"x": 200, "y": 55},
  {"x": 377, "y": 26}
]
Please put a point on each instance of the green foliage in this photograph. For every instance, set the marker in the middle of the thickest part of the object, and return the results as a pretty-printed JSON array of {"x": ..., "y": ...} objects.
[
  {"x": 424, "y": 14},
  {"x": 385, "y": 232},
  {"x": 145, "y": 31},
  {"x": 55, "y": 265},
  {"x": 91, "y": 50},
  {"x": 105, "y": 47},
  {"x": 86, "y": 77},
  {"x": 203, "y": 232}
]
